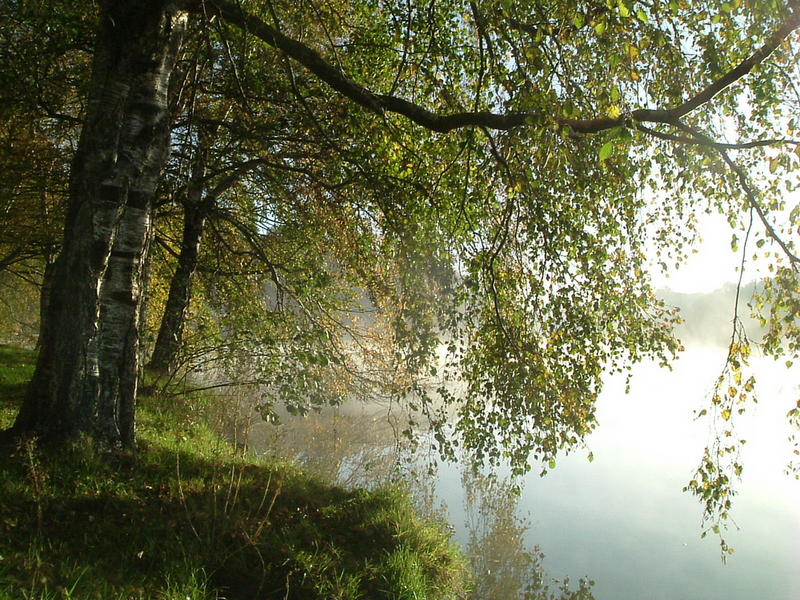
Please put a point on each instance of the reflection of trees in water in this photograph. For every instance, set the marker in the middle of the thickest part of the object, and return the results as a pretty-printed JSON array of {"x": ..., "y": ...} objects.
[
  {"x": 503, "y": 566},
  {"x": 362, "y": 448},
  {"x": 348, "y": 448}
]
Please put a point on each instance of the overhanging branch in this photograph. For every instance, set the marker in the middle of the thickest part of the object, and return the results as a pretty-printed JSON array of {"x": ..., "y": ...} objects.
[{"x": 380, "y": 104}]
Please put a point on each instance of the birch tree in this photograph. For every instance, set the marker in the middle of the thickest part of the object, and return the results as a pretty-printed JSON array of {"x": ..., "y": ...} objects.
[{"x": 86, "y": 374}]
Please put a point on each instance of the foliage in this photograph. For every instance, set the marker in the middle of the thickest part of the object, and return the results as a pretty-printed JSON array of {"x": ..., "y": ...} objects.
[
  {"x": 19, "y": 310},
  {"x": 545, "y": 221},
  {"x": 44, "y": 52}
]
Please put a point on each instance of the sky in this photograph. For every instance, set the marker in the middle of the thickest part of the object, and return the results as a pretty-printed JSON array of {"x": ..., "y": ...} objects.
[{"x": 712, "y": 266}]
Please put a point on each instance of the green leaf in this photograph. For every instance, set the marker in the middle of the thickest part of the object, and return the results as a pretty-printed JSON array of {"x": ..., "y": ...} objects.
[{"x": 606, "y": 151}]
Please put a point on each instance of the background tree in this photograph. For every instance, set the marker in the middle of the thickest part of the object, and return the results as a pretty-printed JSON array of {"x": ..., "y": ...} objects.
[{"x": 45, "y": 50}]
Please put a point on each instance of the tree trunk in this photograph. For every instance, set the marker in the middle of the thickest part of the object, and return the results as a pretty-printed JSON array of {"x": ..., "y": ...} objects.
[
  {"x": 86, "y": 375},
  {"x": 45, "y": 293},
  {"x": 170, "y": 333},
  {"x": 199, "y": 199}
]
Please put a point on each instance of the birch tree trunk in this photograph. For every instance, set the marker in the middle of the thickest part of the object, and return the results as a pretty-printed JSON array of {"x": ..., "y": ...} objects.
[
  {"x": 170, "y": 333},
  {"x": 199, "y": 200},
  {"x": 86, "y": 376}
]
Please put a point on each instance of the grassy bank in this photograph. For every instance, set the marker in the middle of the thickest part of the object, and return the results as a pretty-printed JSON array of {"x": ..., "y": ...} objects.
[{"x": 186, "y": 518}]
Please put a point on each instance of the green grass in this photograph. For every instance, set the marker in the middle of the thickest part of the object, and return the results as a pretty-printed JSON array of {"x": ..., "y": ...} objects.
[
  {"x": 187, "y": 518},
  {"x": 16, "y": 368}
]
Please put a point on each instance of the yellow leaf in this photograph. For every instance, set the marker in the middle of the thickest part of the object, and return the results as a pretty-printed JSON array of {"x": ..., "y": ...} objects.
[
  {"x": 614, "y": 111},
  {"x": 726, "y": 414}
]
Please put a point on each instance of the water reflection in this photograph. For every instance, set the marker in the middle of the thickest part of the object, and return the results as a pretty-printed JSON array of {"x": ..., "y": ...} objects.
[
  {"x": 361, "y": 447},
  {"x": 503, "y": 566}
]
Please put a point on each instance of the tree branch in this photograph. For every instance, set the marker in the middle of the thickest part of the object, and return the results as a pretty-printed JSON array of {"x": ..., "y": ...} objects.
[
  {"x": 794, "y": 260},
  {"x": 381, "y": 104},
  {"x": 712, "y": 144}
]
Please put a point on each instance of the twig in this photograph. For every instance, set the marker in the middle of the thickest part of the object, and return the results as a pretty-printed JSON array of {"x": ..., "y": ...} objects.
[
  {"x": 712, "y": 144},
  {"x": 747, "y": 189}
]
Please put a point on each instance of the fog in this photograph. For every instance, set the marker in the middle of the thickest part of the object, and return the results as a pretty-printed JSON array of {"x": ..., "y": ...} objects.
[
  {"x": 708, "y": 317},
  {"x": 623, "y": 519}
]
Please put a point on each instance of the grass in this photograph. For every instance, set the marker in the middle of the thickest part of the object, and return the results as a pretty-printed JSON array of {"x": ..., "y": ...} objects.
[
  {"x": 16, "y": 368},
  {"x": 187, "y": 518}
]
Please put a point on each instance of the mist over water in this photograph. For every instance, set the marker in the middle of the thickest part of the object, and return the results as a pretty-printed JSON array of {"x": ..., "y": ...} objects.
[
  {"x": 707, "y": 317},
  {"x": 624, "y": 520},
  {"x": 621, "y": 520}
]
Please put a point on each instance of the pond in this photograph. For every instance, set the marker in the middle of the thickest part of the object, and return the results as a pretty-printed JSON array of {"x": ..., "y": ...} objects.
[{"x": 623, "y": 519}]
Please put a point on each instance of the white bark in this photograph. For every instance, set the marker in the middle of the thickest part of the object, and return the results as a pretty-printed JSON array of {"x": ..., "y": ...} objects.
[{"x": 86, "y": 375}]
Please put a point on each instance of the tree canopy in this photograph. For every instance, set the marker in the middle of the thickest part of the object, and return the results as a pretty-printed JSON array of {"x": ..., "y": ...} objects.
[{"x": 492, "y": 181}]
